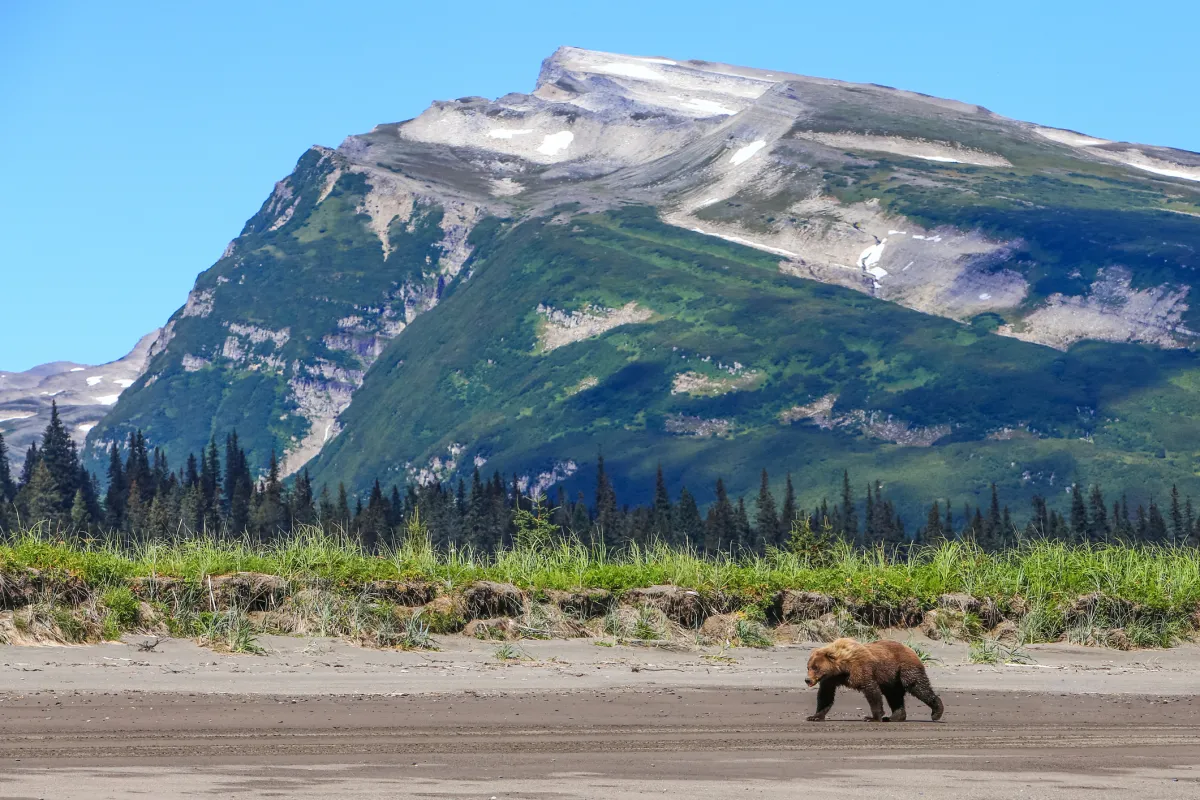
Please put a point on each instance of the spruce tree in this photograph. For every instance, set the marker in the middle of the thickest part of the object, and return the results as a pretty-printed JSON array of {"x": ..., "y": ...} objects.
[
  {"x": 766, "y": 521},
  {"x": 1098, "y": 527},
  {"x": 1079, "y": 520},
  {"x": 1156, "y": 525},
  {"x": 325, "y": 509},
  {"x": 994, "y": 527},
  {"x": 661, "y": 526},
  {"x": 396, "y": 512},
  {"x": 269, "y": 515},
  {"x": 302, "y": 504},
  {"x": 934, "y": 532},
  {"x": 848, "y": 526},
  {"x": 342, "y": 511},
  {"x": 787, "y": 514},
  {"x": 744, "y": 533},
  {"x": 8, "y": 489},
  {"x": 870, "y": 534},
  {"x": 62, "y": 462},
  {"x": 41, "y": 496},
  {"x": 720, "y": 528},
  {"x": 372, "y": 526},
  {"x": 117, "y": 496},
  {"x": 1189, "y": 521},
  {"x": 606, "y": 504},
  {"x": 581, "y": 521},
  {"x": 1178, "y": 534},
  {"x": 31, "y": 461},
  {"x": 81, "y": 518},
  {"x": 689, "y": 527}
]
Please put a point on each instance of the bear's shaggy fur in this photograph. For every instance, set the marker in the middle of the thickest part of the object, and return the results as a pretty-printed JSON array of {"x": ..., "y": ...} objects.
[{"x": 879, "y": 670}]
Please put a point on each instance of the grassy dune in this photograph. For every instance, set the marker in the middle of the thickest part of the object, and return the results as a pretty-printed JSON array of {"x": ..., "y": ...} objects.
[{"x": 1113, "y": 595}]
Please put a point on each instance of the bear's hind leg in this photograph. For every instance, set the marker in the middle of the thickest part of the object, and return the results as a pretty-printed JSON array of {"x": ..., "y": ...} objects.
[
  {"x": 895, "y": 699},
  {"x": 917, "y": 684}
]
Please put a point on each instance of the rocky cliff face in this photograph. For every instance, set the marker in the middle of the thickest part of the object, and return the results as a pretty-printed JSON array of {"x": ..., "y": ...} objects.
[{"x": 1043, "y": 236}]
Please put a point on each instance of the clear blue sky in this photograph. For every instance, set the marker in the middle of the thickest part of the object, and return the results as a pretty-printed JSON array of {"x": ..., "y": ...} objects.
[{"x": 138, "y": 137}]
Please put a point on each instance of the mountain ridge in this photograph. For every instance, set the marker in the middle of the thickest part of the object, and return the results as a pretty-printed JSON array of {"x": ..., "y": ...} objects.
[{"x": 1002, "y": 226}]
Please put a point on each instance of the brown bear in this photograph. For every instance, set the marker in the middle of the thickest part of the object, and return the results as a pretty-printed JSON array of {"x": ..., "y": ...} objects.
[{"x": 878, "y": 670}]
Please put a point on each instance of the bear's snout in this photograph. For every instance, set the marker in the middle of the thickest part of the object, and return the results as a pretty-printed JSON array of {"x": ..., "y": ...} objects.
[{"x": 810, "y": 682}]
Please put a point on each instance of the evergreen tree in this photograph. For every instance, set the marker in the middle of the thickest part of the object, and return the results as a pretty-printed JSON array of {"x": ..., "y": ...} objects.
[
  {"x": 581, "y": 521},
  {"x": 191, "y": 474},
  {"x": 62, "y": 462},
  {"x": 372, "y": 524},
  {"x": 745, "y": 535},
  {"x": 1079, "y": 520},
  {"x": 689, "y": 527},
  {"x": 81, "y": 518},
  {"x": 325, "y": 510},
  {"x": 396, "y": 506},
  {"x": 1178, "y": 534},
  {"x": 302, "y": 505},
  {"x": 1156, "y": 525},
  {"x": 1098, "y": 527},
  {"x": 41, "y": 495},
  {"x": 342, "y": 512},
  {"x": 210, "y": 480},
  {"x": 1039, "y": 523},
  {"x": 268, "y": 515},
  {"x": 849, "y": 518},
  {"x": 870, "y": 534},
  {"x": 606, "y": 505},
  {"x": 661, "y": 525},
  {"x": 91, "y": 495},
  {"x": 8, "y": 489},
  {"x": 31, "y": 460},
  {"x": 948, "y": 527},
  {"x": 935, "y": 534},
  {"x": 720, "y": 528},
  {"x": 117, "y": 496},
  {"x": 994, "y": 526},
  {"x": 787, "y": 513},
  {"x": 767, "y": 519},
  {"x": 1189, "y": 521},
  {"x": 978, "y": 525},
  {"x": 233, "y": 471}
]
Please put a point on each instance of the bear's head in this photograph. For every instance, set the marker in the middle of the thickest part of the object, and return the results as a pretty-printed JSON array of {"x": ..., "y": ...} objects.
[{"x": 831, "y": 661}]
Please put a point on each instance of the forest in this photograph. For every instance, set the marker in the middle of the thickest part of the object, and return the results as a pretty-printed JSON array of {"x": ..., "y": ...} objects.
[{"x": 216, "y": 493}]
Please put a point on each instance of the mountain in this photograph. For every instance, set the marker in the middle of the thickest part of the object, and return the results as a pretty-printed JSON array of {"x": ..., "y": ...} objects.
[
  {"x": 712, "y": 267},
  {"x": 84, "y": 394}
]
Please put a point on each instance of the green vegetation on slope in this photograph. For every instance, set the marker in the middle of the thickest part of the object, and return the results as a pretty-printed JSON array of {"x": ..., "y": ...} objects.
[
  {"x": 294, "y": 283},
  {"x": 472, "y": 375}
]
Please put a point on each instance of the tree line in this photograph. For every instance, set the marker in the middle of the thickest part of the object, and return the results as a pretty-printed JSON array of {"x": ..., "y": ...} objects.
[{"x": 216, "y": 492}]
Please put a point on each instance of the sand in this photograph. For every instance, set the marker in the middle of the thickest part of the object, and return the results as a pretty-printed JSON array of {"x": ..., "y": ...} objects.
[{"x": 318, "y": 718}]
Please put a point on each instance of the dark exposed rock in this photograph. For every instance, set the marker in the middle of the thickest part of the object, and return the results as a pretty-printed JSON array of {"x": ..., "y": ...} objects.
[
  {"x": 485, "y": 600},
  {"x": 684, "y": 606},
  {"x": 583, "y": 604},
  {"x": 249, "y": 591},
  {"x": 795, "y": 606},
  {"x": 19, "y": 587}
]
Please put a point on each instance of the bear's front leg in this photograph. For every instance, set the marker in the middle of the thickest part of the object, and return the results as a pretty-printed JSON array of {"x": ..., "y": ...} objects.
[
  {"x": 875, "y": 700},
  {"x": 825, "y": 693}
]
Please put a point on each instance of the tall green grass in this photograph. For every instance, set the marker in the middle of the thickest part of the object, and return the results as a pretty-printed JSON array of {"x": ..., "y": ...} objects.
[{"x": 1041, "y": 573}]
